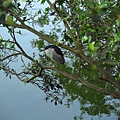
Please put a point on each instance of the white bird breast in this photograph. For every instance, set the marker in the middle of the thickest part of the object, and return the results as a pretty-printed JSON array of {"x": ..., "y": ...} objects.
[{"x": 49, "y": 52}]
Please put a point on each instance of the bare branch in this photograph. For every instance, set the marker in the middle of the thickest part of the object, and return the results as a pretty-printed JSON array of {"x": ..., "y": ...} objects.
[
  {"x": 35, "y": 76},
  {"x": 15, "y": 54}
]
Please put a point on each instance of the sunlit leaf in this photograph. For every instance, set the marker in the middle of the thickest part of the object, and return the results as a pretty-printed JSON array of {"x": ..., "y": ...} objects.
[
  {"x": 1, "y": 39},
  {"x": 57, "y": 43},
  {"x": 12, "y": 45},
  {"x": 118, "y": 15},
  {"x": 4, "y": 44},
  {"x": 9, "y": 19},
  {"x": 102, "y": 5},
  {"x": 91, "y": 47}
]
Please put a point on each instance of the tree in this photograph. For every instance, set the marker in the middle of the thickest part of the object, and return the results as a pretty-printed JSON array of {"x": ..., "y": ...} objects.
[{"x": 88, "y": 32}]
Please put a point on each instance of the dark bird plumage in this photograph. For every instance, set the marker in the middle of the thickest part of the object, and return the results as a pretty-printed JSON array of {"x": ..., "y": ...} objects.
[{"x": 54, "y": 53}]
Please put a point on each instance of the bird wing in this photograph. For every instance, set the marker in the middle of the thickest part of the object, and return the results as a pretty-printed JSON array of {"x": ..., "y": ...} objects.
[{"x": 58, "y": 58}]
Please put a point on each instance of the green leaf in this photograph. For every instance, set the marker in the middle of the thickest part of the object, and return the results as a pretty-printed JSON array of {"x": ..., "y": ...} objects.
[
  {"x": 94, "y": 72},
  {"x": 1, "y": 39},
  {"x": 90, "y": 3},
  {"x": 80, "y": 12},
  {"x": 9, "y": 19},
  {"x": 119, "y": 76},
  {"x": 25, "y": 81},
  {"x": 67, "y": 38},
  {"x": 60, "y": 2},
  {"x": 102, "y": 5},
  {"x": 12, "y": 45},
  {"x": 43, "y": 1},
  {"x": 6, "y": 3},
  {"x": 91, "y": 47},
  {"x": 40, "y": 44},
  {"x": 57, "y": 43},
  {"x": 4, "y": 44}
]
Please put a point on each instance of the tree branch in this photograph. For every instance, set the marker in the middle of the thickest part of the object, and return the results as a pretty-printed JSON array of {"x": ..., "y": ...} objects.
[
  {"x": 24, "y": 26},
  {"x": 64, "y": 21},
  {"x": 34, "y": 76},
  {"x": 88, "y": 84},
  {"x": 101, "y": 90},
  {"x": 104, "y": 73},
  {"x": 10, "y": 56},
  {"x": 16, "y": 16},
  {"x": 79, "y": 52}
]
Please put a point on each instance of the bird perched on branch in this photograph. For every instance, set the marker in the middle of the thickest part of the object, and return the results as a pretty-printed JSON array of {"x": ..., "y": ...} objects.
[{"x": 54, "y": 53}]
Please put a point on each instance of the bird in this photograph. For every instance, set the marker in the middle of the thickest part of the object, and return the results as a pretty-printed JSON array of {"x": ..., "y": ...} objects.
[{"x": 54, "y": 53}]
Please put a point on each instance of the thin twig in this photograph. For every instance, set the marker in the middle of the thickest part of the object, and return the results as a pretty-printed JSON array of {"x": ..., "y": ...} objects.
[
  {"x": 64, "y": 21},
  {"x": 10, "y": 56}
]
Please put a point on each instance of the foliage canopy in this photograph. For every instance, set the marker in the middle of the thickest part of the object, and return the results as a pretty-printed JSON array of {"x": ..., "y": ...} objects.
[{"x": 88, "y": 32}]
